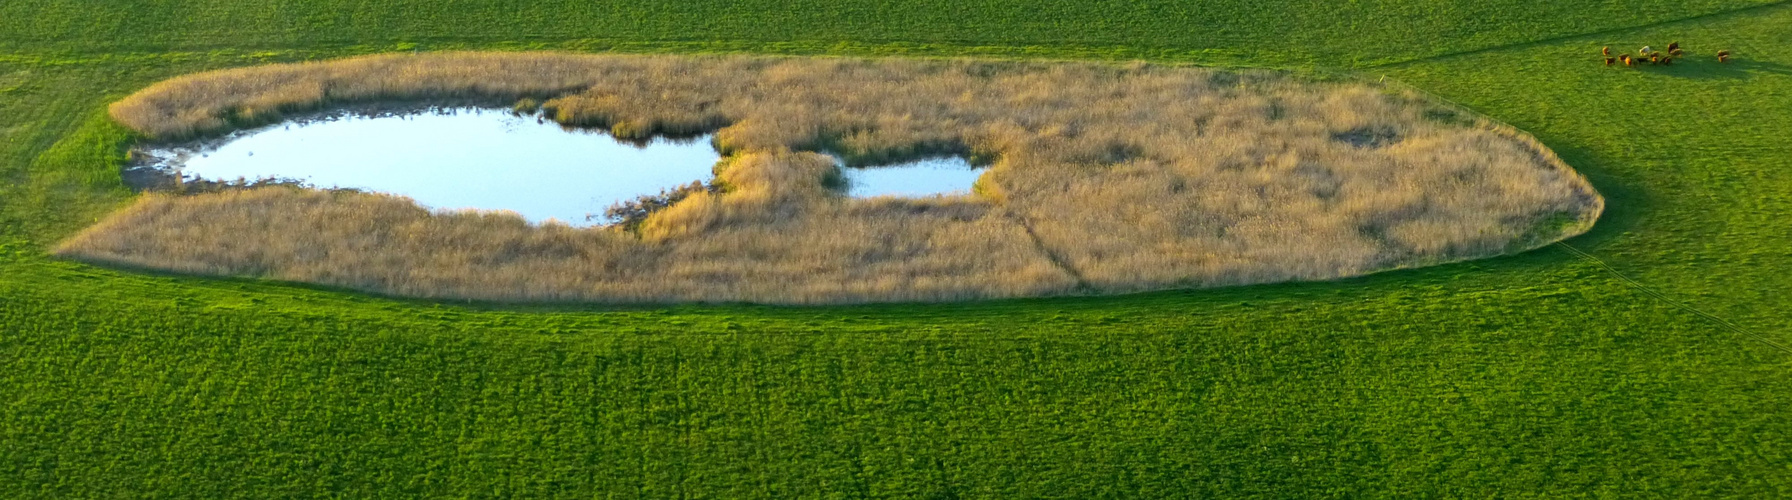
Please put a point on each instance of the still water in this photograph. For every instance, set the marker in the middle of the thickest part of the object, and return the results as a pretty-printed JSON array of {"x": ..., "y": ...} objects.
[
  {"x": 458, "y": 159},
  {"x": 469, "y": 158},
  {"x": 933, "y": 176}
]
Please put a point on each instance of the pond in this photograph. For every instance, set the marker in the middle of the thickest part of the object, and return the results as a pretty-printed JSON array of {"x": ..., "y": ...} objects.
[
  {"x": 456, "y": 158},
  {"x": 488, "y": 159},
  {"x": 946, "y": 176}
]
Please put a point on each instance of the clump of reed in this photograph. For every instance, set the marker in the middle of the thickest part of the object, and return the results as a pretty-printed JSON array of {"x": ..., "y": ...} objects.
[
  {"x": 1103, "y": 178},
  {"x": 629, "y": 215}
]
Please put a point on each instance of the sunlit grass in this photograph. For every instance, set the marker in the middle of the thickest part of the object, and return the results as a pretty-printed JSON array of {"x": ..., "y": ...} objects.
[{"x": 1536, "y": 375}]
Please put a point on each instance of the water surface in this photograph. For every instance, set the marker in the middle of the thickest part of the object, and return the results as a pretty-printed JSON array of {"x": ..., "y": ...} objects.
[
  {"x": 948, "y": 176},
  {"x": 457, "y": 159},
  {"x": 485, "y": 159}
]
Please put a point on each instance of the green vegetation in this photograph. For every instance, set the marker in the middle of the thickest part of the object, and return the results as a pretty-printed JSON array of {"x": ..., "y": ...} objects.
[
  {"x": 1324, "y": 32},
  {"x": 1541, "y": 374}
]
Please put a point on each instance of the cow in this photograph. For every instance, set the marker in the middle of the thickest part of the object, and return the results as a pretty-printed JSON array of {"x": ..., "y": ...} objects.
[{"x": 1723, "y": 56}]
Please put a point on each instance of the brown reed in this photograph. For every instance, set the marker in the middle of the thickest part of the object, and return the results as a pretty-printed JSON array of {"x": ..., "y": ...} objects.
[{"x": 1105, "y": 178}]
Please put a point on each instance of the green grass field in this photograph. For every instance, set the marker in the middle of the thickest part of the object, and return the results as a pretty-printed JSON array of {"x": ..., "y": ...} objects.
[{"x": 1544, "y": 374}]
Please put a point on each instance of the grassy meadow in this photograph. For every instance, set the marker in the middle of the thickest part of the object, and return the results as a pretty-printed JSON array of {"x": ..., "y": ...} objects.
[{"x": 1545, "y": 374}]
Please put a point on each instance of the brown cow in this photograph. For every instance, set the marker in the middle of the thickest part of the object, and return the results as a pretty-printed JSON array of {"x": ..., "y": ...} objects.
[
  {"x": 1608, "y": 61},
  {"x": 1607, "y": 50},
  {"x": 1723, "y": 56},
  {"x": 1628, "y": 61}
]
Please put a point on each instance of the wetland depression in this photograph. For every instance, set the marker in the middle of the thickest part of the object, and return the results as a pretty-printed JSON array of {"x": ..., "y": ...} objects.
[
  {"x": 1101, "y": 178},
  {"x": 454, "y": 158},
  {"x": 945, "y": 176},
  {"x": 492, "y": 160}
]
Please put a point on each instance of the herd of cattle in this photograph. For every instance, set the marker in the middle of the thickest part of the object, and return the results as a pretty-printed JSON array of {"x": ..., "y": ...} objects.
[{"x": 1650, "y": 55}]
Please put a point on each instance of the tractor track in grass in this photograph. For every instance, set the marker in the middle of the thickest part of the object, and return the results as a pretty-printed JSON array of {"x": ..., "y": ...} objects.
[{"x": 1658, "y": 295}]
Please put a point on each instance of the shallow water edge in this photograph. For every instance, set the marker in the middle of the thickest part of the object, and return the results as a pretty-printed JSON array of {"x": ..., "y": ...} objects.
[{"x": 464, "y": 158}]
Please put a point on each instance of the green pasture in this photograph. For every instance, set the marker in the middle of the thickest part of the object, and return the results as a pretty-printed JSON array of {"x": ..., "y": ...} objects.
[
  {"x": 1251, "y": 32},
  {"x": 1645, "y": 368}
]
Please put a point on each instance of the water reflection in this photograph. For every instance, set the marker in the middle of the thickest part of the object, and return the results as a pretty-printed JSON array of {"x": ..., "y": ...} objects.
[
  {"x": 456, "y": 158},
  {"x": 485, "y": 159},
  {"x": 927, "y": 177}
]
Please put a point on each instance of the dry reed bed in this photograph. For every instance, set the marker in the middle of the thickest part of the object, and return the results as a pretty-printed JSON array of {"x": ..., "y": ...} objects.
[{"x": 1105, "y": 178}]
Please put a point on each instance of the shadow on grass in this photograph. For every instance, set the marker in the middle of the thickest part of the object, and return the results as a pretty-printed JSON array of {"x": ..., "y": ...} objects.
[{"x": 1626, "y": 201}]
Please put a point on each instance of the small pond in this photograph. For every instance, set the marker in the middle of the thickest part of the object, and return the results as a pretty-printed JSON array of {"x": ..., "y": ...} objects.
[
  {"x": 945, "y": 176},
  {"x": 487, "y": 159},
  {"x": 456, "y": 158}
]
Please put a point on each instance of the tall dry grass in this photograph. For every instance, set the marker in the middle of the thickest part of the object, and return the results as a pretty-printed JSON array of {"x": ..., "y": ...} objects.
[{"x": 1105, "y": 178}]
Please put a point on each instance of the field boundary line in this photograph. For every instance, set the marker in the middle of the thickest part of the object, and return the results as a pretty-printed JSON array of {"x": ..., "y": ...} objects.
[
  {"x": 1546, "y": 41},
  {"x": 1657, "y": 295}
]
